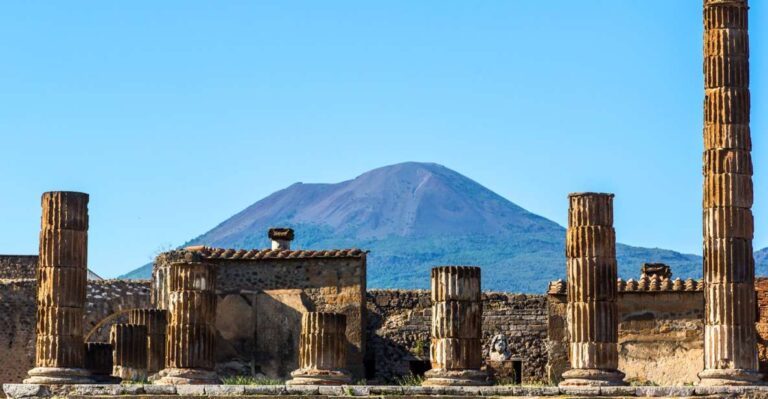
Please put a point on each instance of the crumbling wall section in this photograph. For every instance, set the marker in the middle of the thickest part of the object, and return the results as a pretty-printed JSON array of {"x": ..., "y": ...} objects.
[
  {"x": 399, "y": 331},
  {"x": 17, "y": 317}
]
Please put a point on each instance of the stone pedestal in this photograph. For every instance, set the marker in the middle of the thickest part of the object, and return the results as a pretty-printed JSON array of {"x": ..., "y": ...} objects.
[
  {"x": 129, "y": 360},
  {"x": 61, "y": 287},
  {"x": 98, "y": 361},
  {"x": 156, "y": 321},
  {"x": 730, "y": 355},
  {"x": 457, "y": 317},
  {"x": 322, "y": 350},
  {"x": 190, "y": 339},
  {"x": 592, "y": 312}
]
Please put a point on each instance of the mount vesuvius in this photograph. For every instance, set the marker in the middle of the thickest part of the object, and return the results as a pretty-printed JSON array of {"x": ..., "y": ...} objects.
[{"x": 413, "y": 216}]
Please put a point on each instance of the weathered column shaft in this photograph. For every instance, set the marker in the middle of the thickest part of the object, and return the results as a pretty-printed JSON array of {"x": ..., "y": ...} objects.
[
  {"x": 730, "y": 338},
  {"x": 456, "y": 328},
  {"x": 61, "y": 288},
  {"x": 192, "y": 311},
  {"x": 593, "y": 325},
  {"x": 129, "y": 343},
  {"x": 156, "y": 322},
  {"x": 190, "y": 340},
  {"x": 323, "y": 341}
]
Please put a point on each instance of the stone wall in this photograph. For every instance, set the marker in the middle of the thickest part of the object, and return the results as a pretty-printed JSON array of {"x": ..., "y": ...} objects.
[
  {"x": 761, "y": 288},
  {"x": 261, "y": 296},
  {"x": 17, "y": 317},
  {"x": 399, "y": 331},
  {"x": 17, "y": 266},
  {"x": 661, "y": 335}
]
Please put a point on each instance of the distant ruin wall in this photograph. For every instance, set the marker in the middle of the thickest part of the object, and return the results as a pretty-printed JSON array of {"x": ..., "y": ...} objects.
[
  {"x": 399, "y": 331},
  {"x": 661, "y": 336},
  {"x": 761, "y": 289},
  {"x": 260, "y": 300},
  {"x": 17, "y": 266},
  {"x": 17, "y": 317}
]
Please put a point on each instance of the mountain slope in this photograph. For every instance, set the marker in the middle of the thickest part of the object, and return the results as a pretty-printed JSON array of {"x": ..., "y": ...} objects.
[{"x": 413, "y": 216}]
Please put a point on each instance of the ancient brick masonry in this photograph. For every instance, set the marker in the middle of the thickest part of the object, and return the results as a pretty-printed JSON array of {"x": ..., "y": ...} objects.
[
  {"x": 322, "y": 350},
  {"x": 457, "y": 317},
  {"x": 130, "y": 351},
  {"x": 155, "y": 320},
  {"x": 591, "y": 256},
  {"x": 729, "y": 356},
  {"x": 189, "y": 350},
  {"x": 62, "y": 277}
]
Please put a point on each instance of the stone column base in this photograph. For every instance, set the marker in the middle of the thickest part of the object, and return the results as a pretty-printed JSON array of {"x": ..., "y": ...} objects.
[
  {"x": 592, "y": 378},
  {"x": 186, "y": 377},
  {"x": 129, "y": 373},
  {"x": 58, "y": 375},
  {"x": 730, "y": 377},
  {"x": 448, "y": 378},
  {"x": 320, "y": 377}
]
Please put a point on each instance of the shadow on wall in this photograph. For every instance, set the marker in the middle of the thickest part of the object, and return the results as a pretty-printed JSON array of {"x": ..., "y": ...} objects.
[{"x": 258, "y": 333}]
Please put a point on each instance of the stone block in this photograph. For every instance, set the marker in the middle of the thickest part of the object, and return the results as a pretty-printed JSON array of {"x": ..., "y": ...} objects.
[
  {"x": 264, "y": 390},
  {"x": 580, "y": 391},
  {"x": 331, "y": 390},
  {"x": 160, "y": 389},
  {"x": 224, "y": 390},
  {"x": 357, "y": 390},
  {"x": 190, "y": 390},
  {"x": 302, "y": 390},
  {"x": 15, "y": 391},
  {"x": 96, "y": 390}
]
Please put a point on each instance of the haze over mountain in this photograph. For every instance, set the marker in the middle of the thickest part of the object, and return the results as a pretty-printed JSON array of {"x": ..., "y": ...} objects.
[{"x": 413, "y": 216}]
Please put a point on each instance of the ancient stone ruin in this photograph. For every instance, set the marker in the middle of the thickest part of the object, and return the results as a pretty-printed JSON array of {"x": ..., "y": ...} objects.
[
  {"x": 456, "y": 327},
  {"x": 729, "y": 269},
  {"x": 276, "y": 312},
  {"x": 129, "y": 343},
  {"x": 590, "y": 250},
  {"x": 61, "y": 279},
  {"x": 322, "y": 350},
  {"x": 189, "y": 357}
]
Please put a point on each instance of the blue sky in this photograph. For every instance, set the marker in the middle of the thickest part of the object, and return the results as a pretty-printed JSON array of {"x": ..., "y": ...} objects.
[{"x": 175, "y": 115}]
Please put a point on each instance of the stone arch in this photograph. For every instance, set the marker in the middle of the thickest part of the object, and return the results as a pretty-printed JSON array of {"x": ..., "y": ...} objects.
[{"x": 98, "y": 329}]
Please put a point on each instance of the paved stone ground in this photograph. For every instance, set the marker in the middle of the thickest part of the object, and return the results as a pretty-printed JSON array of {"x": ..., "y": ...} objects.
[{"x": 25, "y": 391}]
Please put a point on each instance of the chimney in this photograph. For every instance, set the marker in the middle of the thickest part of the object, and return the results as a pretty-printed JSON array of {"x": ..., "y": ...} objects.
[
  {"x": 281, "y": 237},
  {"x": 656, "y": 269}
]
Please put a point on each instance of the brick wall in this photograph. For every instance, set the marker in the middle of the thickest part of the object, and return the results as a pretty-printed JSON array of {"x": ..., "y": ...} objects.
[{"x": 761, "y": 289}]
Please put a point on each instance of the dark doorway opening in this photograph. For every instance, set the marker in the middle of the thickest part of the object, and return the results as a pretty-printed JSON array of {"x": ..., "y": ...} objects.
[
  {"x": 419, "y": 367},
  {"x": 517, "y": 365}
]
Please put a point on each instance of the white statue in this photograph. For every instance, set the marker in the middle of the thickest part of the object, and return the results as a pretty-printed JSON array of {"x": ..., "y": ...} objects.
[{"x": 500, "y": 348}]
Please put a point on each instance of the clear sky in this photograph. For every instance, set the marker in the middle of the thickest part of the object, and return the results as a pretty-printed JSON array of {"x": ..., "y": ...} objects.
[{"x": 174, "y": 115}]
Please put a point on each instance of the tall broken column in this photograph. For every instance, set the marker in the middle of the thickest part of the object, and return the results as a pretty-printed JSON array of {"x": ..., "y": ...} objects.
[
  {"x": 457, "y": 320},
  {"x": 322, "y": 350},
  {"x": 592, "y": 312},
  {"x": 61, "y": 287},
  {"x": 189, "y": 356},
  {"x": 155, "y": 320},
  {"x": 129, "y": 343},
  {"x": 730, "y": 356}
]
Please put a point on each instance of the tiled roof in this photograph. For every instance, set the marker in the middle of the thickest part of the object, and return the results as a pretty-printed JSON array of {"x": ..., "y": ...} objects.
[
  {"x": 223, "y": 253},
  {"x": 644, "y": 284}
]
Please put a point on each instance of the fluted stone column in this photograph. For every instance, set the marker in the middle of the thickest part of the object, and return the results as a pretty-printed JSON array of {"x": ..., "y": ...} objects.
[
  {"x": 129, "y": 343},
  {"x": 457, "y": 318},
  {"x": 592, "y": 312},
  {"x": 322, "y": 350},
  {"x": 189, "y": 356},
  {"x": 730, "y": 355},
  {"x": 156, "y": 322},
  {"x": 98, "y": 361},
  {"x": 61, "y": 286}
]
